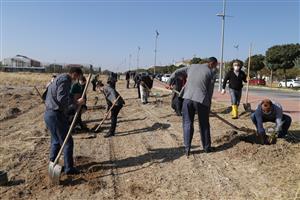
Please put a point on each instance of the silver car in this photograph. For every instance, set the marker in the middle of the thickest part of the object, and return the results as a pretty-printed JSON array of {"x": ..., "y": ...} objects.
[{"x": 289, "y": 83}]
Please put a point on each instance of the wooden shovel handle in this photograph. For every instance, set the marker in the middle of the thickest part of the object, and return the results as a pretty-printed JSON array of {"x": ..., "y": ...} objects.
[
  {"x": 248, "y": 74},
  {"x": 38, "y": 93},
  {"x": 73, "y": 122},
  {"x": 114, "y": 103}
]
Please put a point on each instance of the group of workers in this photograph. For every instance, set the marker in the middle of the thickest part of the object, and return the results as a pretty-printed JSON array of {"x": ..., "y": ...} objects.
[{"x": 193, "y": 89}]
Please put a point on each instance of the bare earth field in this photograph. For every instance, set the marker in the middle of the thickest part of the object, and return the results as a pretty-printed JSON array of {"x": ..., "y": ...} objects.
[{"x": 145, "y": 160}]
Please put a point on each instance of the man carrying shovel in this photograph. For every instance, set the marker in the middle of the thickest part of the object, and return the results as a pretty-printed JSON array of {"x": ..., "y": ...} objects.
[
  {"x": 236, "y": 77},
  {"x": 114, "y": 102},
  {"x": 56, "y": 119}
]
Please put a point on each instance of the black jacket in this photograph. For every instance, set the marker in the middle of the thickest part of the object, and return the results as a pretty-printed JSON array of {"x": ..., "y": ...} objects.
[{"x": 235, "y": 82}]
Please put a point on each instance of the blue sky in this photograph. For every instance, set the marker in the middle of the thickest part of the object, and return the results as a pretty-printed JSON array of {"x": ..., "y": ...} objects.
[{"x": 104, "y": 33}]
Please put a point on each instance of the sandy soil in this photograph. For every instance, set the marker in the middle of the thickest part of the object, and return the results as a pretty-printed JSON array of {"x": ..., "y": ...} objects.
[{"x": 145, "y": 160}]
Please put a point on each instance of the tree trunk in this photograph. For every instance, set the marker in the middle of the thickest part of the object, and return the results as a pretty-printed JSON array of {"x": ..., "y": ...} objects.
[{"x": 271, "y": 78}]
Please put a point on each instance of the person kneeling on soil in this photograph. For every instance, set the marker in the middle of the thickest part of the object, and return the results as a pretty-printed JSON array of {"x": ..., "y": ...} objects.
[
  {"x": 111, "y": 95},
  {"x": 268, "y": 111}
]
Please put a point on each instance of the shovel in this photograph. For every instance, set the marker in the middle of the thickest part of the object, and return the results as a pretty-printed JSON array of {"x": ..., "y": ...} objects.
[
  {"x": 106, "y": 115},
  {"x": 54, "y": 169},
  {"x": 246, "y": 105}
]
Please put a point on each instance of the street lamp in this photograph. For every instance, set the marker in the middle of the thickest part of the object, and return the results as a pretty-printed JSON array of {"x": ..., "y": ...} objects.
[
  {"x": 155, "y": 51},
  {"x": 222, "y": 43},
  {"x": 129, "y": 61},
  {"x": 138, "y": 58}
]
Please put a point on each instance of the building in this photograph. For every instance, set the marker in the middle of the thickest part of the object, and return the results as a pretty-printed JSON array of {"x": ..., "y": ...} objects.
[{"x": 22, "y": 63}]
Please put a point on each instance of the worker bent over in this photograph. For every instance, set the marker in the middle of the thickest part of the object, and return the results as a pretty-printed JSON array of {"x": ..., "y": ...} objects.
[{"x": 268, "y": 111}]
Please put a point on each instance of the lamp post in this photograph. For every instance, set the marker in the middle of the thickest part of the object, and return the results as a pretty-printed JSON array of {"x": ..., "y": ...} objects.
[
  {"x": 222, "y": 43},
  {"x": 129, "y": 62},
  {"x": 138, "y": 58},
  {"x": 155, "y": 50}
]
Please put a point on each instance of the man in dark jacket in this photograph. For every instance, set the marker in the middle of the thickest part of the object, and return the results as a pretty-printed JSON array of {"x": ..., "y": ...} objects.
[
  {"x": 127, "y": 79},
  {"x": 137, "y": 80},
  {"x": 111, "y": 95},
  {"x": 236, "y": 77},
  {"x": 268, "y": 111},
  {"x": 177, "y": 83},
  {"x": 112, "y": 79},
  {"x": 57, "y": 104},
  {"x": 145, "y": 87}
]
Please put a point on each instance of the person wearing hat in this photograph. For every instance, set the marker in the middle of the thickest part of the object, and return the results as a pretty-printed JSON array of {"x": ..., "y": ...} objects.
[
  {"x": 56, "y": 116},
  {"x": 235, "y": 77},
  {"x": 197, "y": 98},
  {"x": 111, "y": 95},
  {"x": 269, "y": 111}
]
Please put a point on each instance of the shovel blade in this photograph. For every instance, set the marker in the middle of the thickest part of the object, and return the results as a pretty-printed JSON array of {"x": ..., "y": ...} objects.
[
  {"x": 247, "y": 107},
  {"x": 54, "y": 172}
]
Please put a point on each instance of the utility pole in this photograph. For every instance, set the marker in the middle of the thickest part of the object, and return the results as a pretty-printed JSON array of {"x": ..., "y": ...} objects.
[
  {"x": 138, "y": 58},
  {"x": 129, "y": 62},
  {"x": 222, "y": 44},
  {"x": 155, "y": 51}
]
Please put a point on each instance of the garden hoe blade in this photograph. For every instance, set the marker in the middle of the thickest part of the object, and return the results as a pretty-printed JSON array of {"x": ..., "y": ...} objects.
[{"x": 54, "y": 172}]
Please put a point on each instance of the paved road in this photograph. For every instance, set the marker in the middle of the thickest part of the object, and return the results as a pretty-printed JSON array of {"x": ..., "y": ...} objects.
[
  {"x": 272, "y": 94},
  {"x": 289, "y": 100}
]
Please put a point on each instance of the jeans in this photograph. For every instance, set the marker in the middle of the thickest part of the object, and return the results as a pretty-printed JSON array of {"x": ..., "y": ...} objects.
[
  {"x": 58, "y": 125},
  {"x": 235, "y": 96},
  {"x": 287, "y": 120},
  {"x": 189, "y": 109}
]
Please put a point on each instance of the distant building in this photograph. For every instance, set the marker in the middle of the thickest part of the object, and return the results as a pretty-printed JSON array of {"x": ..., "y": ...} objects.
[{"x": 21, "y": 63}]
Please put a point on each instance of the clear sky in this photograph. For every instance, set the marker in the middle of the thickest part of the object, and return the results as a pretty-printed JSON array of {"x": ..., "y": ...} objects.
[{"x": 105, "y": 33}]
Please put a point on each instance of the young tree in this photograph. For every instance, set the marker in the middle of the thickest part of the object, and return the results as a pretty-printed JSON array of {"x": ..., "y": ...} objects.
[
  {"x": 283, "y": 56},
  {"x": 257, "y": 63}
]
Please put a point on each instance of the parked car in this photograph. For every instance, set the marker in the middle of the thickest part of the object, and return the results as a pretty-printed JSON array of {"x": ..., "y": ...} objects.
[
  {"x": 165, "y": 77},
  {"x": 158, "y": 76},
  {"x": 289, "y": 83},
  {"x": 257, "y": 81}
]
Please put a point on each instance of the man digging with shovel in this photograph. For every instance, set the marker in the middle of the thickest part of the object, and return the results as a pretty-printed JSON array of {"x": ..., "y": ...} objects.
[
  {"x": 57, "y": 103},
  {"x": 114, "y": 102}
]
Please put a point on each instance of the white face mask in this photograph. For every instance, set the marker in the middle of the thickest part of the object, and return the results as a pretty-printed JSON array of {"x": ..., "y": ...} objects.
[{"x": 236, "y": 68}]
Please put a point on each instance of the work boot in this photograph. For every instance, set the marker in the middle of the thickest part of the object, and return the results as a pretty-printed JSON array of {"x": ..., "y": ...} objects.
[
  {"x": 187, "y": 152},
  {"x": 234, "y": 112},
  {"x": 73, "y": 171},
  {"x": 109, "y": 134}
]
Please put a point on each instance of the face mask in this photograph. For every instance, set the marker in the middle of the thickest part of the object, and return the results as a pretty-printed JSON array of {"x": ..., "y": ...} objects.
[{"x": 236, "y": 68}]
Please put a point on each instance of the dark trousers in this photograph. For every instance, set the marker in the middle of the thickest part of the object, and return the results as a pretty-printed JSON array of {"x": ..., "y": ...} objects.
[
  {"x": 189, "y": 109},
  {"x": 127, "y": 83},
  {"x": 58, "y": 125},
  {"x": 114, "y": 118},
  {"x": 139, "y": 92},
  {"x": 287, "y": 120}
]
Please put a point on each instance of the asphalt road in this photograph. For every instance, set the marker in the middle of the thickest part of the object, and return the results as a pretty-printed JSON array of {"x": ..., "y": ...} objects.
[{"x": 271, "y": 93}]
